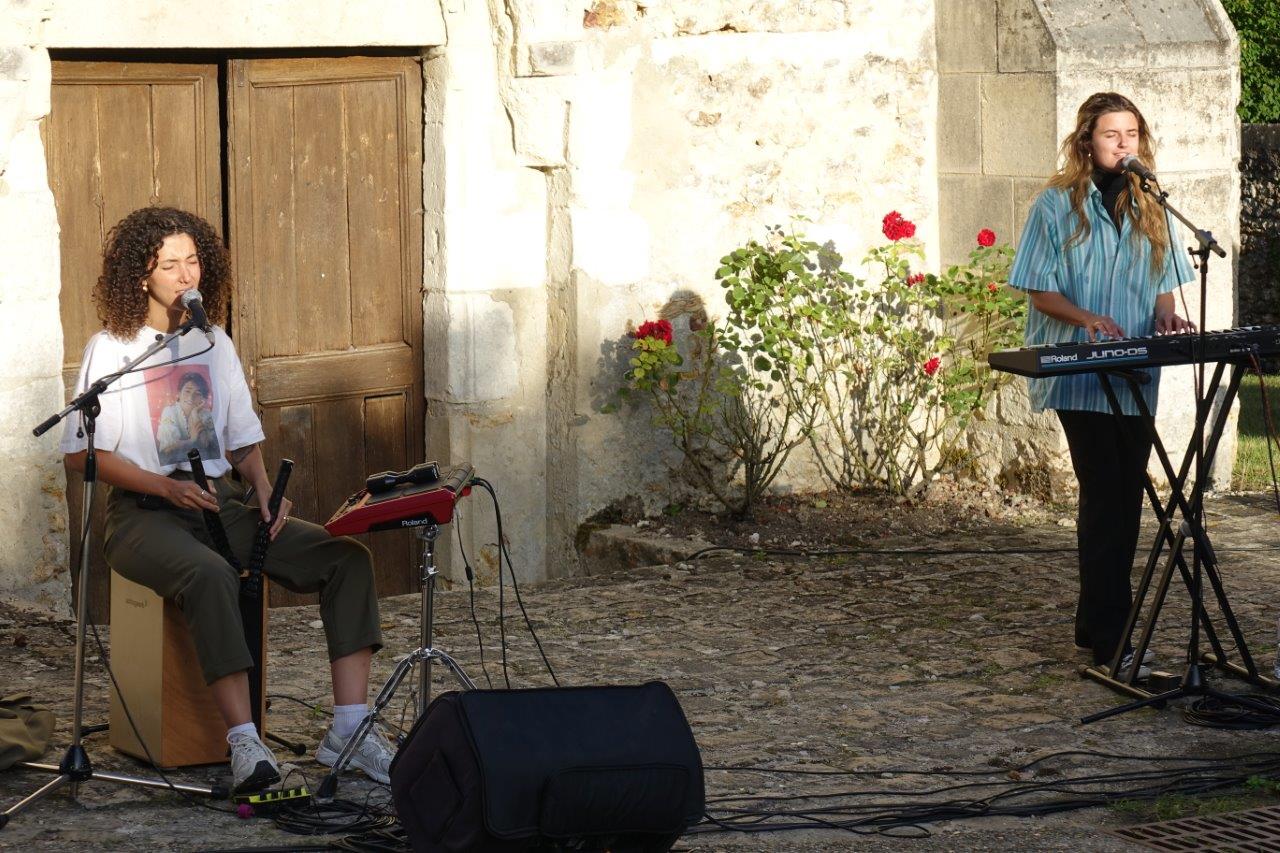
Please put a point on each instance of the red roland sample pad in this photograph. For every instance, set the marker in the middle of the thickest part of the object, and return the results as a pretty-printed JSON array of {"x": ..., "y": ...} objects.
[{"x": 402, "y": 500}]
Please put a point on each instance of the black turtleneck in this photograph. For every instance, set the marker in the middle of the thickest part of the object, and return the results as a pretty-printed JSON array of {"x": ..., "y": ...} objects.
[{"x": 1110, "y": 184}]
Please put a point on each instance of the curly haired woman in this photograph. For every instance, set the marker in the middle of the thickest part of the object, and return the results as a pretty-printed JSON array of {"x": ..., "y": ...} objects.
[
  {"x": 151, "y": 258},
  {"x": 1096, "y": 262}
]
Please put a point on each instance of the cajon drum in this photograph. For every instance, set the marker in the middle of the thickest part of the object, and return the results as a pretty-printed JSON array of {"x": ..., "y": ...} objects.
[{"x": 155, "y": 664}]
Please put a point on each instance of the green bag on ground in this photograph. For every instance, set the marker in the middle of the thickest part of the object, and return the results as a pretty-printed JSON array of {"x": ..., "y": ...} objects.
[{"x": 25, "y": 730}]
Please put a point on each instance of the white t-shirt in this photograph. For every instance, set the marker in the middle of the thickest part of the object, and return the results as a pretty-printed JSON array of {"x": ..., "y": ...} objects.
[{"x": 155, "y": 416}]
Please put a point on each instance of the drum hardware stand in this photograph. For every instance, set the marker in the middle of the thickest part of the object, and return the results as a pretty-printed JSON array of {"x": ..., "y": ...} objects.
[
  {"x": 1204, "y": 560},
  {"x": 421, "y": 657},
  {"x": 76, "y": 766}
]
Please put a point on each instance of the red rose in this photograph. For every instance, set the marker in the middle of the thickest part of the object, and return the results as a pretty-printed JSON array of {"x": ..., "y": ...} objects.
[
  {"x": 992, "y": 286},
  {"x": 986, "y": 237},
  {"x": 913, "y": 280},
  {"x": 659, "y": 329},
  {"x": 931, "y": 366},
  {"x": 896, "y": 228}
]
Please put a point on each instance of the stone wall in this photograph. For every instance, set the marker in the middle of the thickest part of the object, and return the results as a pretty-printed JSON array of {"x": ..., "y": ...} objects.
[
  {"x": 1259, "y": 265},
  {"x": 698, "y": 125},
  {"x": 32, "y": 510}
]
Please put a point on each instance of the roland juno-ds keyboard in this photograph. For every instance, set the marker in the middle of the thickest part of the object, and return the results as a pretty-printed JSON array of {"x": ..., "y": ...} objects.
[{"x": 1061, "y": 359}]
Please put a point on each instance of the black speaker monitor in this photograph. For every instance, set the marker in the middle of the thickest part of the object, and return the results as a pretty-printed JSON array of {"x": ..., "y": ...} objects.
[{"x": 590, "y": 768}]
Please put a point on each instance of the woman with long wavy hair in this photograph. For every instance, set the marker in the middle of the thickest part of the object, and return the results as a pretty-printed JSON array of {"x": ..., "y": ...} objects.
[
  {"x": 195, "y": 390},
  {"x": 1096, "y": 261}
]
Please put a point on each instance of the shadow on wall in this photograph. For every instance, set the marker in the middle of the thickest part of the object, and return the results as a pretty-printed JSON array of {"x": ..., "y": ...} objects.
[
  {"x": 652, "y": 447},
  {"x": 684, "y": 309}
]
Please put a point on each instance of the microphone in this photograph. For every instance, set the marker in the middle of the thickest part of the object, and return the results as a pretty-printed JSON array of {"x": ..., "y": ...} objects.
[
  {"x": 1129, "y": 163},
  {"x": 191, "y": 301}
]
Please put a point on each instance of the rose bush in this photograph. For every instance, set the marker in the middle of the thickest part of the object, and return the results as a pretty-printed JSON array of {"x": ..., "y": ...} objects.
[{"x": 882, "y": 372}]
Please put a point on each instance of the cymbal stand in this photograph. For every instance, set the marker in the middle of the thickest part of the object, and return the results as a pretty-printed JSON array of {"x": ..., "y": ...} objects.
[
  {"x": 420, "y": 658},
  {"x": 75, "y": 766}
]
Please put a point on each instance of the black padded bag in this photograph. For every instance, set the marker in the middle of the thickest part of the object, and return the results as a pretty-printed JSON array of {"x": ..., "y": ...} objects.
[{"x": 583, "y": 767}]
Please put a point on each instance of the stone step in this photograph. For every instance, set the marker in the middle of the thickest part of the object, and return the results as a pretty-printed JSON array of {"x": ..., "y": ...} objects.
[{"x": 622, "y": 547}]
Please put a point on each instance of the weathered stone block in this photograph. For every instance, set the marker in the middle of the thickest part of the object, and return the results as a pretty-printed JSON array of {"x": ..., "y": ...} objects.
[
  {"x": 546, "y": 58},
  {"x": 1025, "y": 44},
  {"x": 966, "y": 35},
  {"x": 1211, "y": 201},
  {"x": 1134, "y": 34},
  {"x": 722, "y": 146},
  {"x": 1192, "y": 115},
  {"x": 970, "y": 203},
  {"x": 244, "y": 23},
  {"x": 1018, "y": 124},
  {"x": 502, "y": 217},
  {"x": 600, "y": 125},
  {"x": 959, "y": 123},
  {"x": 539, "y": 110},
  {"x": 700, "y": 17},
  {"x": 545, "y": 20},
  {"x": 481, "y": 351}
]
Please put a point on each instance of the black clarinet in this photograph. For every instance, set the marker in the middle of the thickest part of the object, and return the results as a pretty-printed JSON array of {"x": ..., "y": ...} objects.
[
  {"x": 252, "y": 583},
  {"x": 212, "y": 521},
  {"x": 251, "y": 617}
]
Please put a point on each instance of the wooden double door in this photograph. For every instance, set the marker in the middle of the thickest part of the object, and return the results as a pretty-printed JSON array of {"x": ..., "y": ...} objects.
[{"x": 312, "y": 170}]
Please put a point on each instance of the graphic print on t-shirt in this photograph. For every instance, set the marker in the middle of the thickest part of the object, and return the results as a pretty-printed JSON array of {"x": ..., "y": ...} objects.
[{"x": 181, "y": 403}]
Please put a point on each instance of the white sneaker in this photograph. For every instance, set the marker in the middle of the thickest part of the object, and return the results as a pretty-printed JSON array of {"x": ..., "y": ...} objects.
[
  {"x": 1144, "y": 671},
  {"x": 253, "y": 767},
  {"x": 373, "y": 755}
]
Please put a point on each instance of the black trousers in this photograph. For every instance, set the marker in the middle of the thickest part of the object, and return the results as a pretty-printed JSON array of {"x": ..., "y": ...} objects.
[{"x": 1109, "y": 456}]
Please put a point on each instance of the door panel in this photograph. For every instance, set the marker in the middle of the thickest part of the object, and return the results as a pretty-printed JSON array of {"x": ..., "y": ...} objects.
[
  {"x": 326, "y": 230},
  {"x": 120, "y": 136}
]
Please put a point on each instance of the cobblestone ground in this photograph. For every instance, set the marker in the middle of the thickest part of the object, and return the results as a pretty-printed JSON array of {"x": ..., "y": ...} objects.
[{"x": 853, "y": 662}]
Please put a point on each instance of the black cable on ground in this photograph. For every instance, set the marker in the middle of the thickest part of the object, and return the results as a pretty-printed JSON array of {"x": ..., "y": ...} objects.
[
  {"x": 885, "y": 813},
  {"x": 917, "y": 552},
  {"x": 314, "y": 707},
  {"x": 471, "y": 595},
  {"x": 336, "y": 817},
  {"x": 504, "y": 554},
  {"x": 1216, "y": 713}
]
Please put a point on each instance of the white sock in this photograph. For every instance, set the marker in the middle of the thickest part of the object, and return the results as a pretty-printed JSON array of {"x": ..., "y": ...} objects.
[
  {"x": 242, "y": 729},
  {"x": 346, "y": 718}
]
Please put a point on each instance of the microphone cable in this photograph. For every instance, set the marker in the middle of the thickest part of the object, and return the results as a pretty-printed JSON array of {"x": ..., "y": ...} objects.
[
  {"x": 471, "y": 595},
  {"x": 504, "y": 554}
]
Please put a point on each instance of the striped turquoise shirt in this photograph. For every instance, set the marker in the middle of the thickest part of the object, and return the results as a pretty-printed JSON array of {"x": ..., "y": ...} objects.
[{"x": 1106, "y": 273}]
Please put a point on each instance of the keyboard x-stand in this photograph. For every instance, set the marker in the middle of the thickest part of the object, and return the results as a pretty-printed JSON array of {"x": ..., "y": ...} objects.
[{"x": 1180, "y": 519}]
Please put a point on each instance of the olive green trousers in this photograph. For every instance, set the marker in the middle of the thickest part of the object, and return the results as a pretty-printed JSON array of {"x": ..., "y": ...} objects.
[{"x": 169, "y": 551}]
